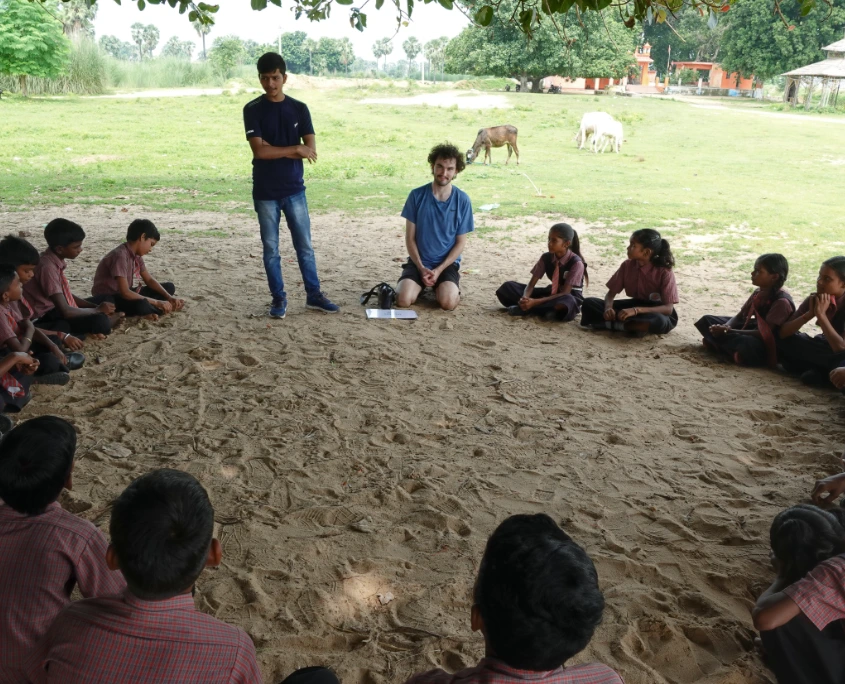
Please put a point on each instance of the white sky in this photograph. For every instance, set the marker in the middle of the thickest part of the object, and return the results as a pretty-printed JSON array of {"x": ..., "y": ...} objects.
[{"x": 236, "y": 17}]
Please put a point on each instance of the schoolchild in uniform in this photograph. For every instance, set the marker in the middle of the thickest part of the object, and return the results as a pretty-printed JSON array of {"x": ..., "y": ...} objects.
[
  {"x": 21, "y": 254},
  {"x": 647, "y": 278},
  {"x": 119, "y": 274},
  {"x": 49, "y": 291},
  {"x": 813, "y": 358},
  {"x": 44, "y": 551},
  {"x": 20, "y": 335},
  {"x": 537, "y": 603},
  {"x": 802, "y": 614},
  {"x": 565, "y": 268},
  {"x": 749, "y": 338}
]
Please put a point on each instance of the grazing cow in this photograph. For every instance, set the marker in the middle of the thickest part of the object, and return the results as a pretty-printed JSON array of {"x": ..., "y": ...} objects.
[
  {"x": 608, "y": 133},
  {"x": 588, "y": 126},
  {"x": 497, "y": 136}
]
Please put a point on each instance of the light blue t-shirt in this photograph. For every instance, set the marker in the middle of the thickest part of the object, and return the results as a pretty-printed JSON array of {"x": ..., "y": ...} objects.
[{"x": 438, "y": 223}]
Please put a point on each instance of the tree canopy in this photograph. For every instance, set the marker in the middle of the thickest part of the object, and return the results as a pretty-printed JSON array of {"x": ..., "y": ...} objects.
[
  {"x": 589, "y": 48},
  {"x": 757, "y": 42},
  {"x": 31, "y": 44}
]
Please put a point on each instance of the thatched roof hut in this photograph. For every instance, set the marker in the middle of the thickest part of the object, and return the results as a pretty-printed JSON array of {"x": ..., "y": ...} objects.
[{"x": 829, "y": 71}]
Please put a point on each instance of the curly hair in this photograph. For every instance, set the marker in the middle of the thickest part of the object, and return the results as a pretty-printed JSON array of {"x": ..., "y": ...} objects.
[{"x": 447, "y": 151}]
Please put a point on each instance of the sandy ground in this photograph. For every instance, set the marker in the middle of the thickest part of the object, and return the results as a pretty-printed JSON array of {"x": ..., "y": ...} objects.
[{"x": 348, "y": 458}]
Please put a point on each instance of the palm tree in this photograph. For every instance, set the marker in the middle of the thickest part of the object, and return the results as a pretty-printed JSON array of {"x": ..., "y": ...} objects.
[
  {"x": 138, "y": 38},
  {"x": 77, "y": 18},
  {"x": 347, "y": 53},
  {"x": 412, "y": 48},
  {"x": 203, "y": 30}
]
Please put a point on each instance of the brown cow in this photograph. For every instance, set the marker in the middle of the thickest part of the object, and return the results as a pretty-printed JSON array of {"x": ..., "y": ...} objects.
[{"x": 497, "y": 136}]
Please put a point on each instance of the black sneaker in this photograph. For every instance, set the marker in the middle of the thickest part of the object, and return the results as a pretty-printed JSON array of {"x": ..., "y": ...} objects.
[
  {"x": 52, "y": 379},
  {"x": 75, "y": 360}
]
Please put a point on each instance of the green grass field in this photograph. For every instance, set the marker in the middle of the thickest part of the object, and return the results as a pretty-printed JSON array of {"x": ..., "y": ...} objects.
[{"x": 740, "y": 183}]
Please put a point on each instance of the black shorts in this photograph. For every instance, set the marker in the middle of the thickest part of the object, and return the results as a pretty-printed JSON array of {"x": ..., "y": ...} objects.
[{"x": 450, "y": 274}]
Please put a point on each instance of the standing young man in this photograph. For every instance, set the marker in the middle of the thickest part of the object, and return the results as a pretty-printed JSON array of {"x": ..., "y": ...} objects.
[
  {"x": 280, "y": 134},
  {"x": 438, "y": 217}
]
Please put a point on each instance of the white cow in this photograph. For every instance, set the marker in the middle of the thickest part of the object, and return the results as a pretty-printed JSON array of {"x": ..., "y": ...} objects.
[
  {"x": 608, "y": 133},
  {"x": 588, "y": 126}
]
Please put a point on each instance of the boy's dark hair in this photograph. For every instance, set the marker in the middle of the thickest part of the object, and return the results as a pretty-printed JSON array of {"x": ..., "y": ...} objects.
[
  {"x": 568, "y": 234},
  {"x": 836, "y": 263},
  {"x": 161, "y": 527},
  {"x": 776, "y": 264},
  {"x": 140, "y": 227},
  {"x": 538, "y": 594},
  {"x": 269, "y": 62},
  {"x": 36, "y": 458},
  {"x": 447, "y": 151},
  {"x": 62, "y": 232},
  {"x": 661, "y": 255},
  {"x": 803, "y": 536},
  {"x": 18, "y": 252},
  {"x": 7, "y": 277}
]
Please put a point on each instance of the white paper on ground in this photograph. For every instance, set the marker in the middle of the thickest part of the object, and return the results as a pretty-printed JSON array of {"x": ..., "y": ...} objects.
[{"x": 391, "y": 313}]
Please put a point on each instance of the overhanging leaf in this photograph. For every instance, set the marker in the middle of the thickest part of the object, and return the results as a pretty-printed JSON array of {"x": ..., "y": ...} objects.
[{"x": 484, "y": 16}]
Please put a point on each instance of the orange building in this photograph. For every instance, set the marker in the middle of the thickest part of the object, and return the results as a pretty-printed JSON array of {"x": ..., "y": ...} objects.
[{"x": 716, "y": 76}]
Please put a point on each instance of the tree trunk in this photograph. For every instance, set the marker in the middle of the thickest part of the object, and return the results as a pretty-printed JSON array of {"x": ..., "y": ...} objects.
[
  {"x": 204, "y": 56},
  {"x": 22, "y": 81},
  {"x": 523, "y": 82},
  {"x": 535, "y": 84}
]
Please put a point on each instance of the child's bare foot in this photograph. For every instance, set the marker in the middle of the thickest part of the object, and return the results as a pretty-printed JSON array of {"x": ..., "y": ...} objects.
[
  {"x": 150, "y": 317},
  {"x": 97, "y": 336},
  {"x": 117, "y": 318}
]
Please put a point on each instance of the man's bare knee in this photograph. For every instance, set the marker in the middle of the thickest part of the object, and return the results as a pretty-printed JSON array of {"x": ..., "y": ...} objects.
[
  {"x": 449, "y": 301},
  {"x": 404, "y": 300}
]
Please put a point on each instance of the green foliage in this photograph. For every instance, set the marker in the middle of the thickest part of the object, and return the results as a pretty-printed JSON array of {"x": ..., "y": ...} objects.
[
  {"x": 119, "y": 49},
  {"x": 177, "y": 48},
  {"x": 84, "y": 73},
  {"x": 226, "y": 55},
  {"x": 294, "y": 52},
  {"x": 585, "y": 47},
  {"x": 30, "y": 44},
  {"x": 757, "y": 41},
  {"x": 77, "y": 18},
  {"x": 690, "y": 35},
  {"x": 145, "y": 37},
  {"x": 686, "y": 76},
  {"x": 163, "y": 72}
]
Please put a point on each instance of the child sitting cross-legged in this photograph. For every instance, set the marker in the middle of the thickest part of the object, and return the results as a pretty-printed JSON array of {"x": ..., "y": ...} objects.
[
  {"x": 44, "y": 550},
  {"x": 802, "y": 614},
  {"x": 20, "y": 335},
  {"x": 119, "y": 274},
  {"x": 54, "y": 306},
  {"x": 537, "y": 603}
]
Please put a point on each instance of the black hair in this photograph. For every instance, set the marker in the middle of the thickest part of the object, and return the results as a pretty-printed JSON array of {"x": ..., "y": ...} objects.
[
  {"x": 803, "y": 536},
  {"x": 269, "y": 62},
  {"x": 18, "y": 252},
  {"x": 538, "y": 594},
  {"x": 447, "y": 151},
  {"x": 140, "y": 227},
  {"x": 161, "y": 527},
  {"x": 36, "y": 458},
  {"x": 62, "y": 232},
  {"x": 836, "y": 263},
  {"x": 661, "y": 255},
  {"x": 8, "y": 273},
  {"x": 775, "y": 264},
  {"x": 566, "y": 232}
]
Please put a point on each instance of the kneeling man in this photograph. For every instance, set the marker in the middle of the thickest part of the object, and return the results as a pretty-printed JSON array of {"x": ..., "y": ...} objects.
[{"x": 438, "y": 217}]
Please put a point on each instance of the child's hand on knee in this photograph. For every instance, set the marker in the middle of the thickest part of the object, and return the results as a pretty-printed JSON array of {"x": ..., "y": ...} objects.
[
  {"x": 178, "y": 304},
  {"x": 164, "y": 307},
  {"x": 106, "y": 308},
  {"x": 610, "y": 314}
]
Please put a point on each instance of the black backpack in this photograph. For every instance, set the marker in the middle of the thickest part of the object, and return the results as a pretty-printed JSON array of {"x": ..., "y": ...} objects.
[{"x": 385, "y": 296}]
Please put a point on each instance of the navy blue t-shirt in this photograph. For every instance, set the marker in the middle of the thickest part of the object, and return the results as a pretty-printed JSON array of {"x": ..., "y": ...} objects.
[{"x": 281, "y": 124}]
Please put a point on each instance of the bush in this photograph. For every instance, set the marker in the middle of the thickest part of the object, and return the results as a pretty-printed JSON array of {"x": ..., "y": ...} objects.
[
  {"x": 85, "y": 74},
  {"x": 164, "y": 72},
  {"x": 687, "y": 76}
]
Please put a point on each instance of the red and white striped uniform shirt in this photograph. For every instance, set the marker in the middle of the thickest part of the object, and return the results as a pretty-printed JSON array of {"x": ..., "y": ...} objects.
[
  {"x": 493, "y": 671},
  {"x": 126, "y": 640},
  {"x": 42, "y": 558}
]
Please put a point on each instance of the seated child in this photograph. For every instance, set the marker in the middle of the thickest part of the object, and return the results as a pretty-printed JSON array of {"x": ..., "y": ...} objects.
[
  {"x": 749, "y": 338},
  {"x": 537, "y": 603},
  {"x": 800, "y": 615},
  {"x": 837, "y": 376},
  {"x": 564, "y": 266},
  {"x": 813, "y": 358},
  {"x": 44, "y": 550},
  {"x": 54, "y": 305},
  {"x": 23, "y": 256},
  {"x": 647, "y": 277},
  {"x": 16, "y": 370},
  {"x": 161, "y": 539},
  {"x": 119, "y": 270},
  {"x": 20, "y": 335}
]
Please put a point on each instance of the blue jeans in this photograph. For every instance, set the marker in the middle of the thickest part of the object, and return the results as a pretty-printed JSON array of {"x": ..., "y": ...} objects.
[{"x": 295, "y": 209}]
